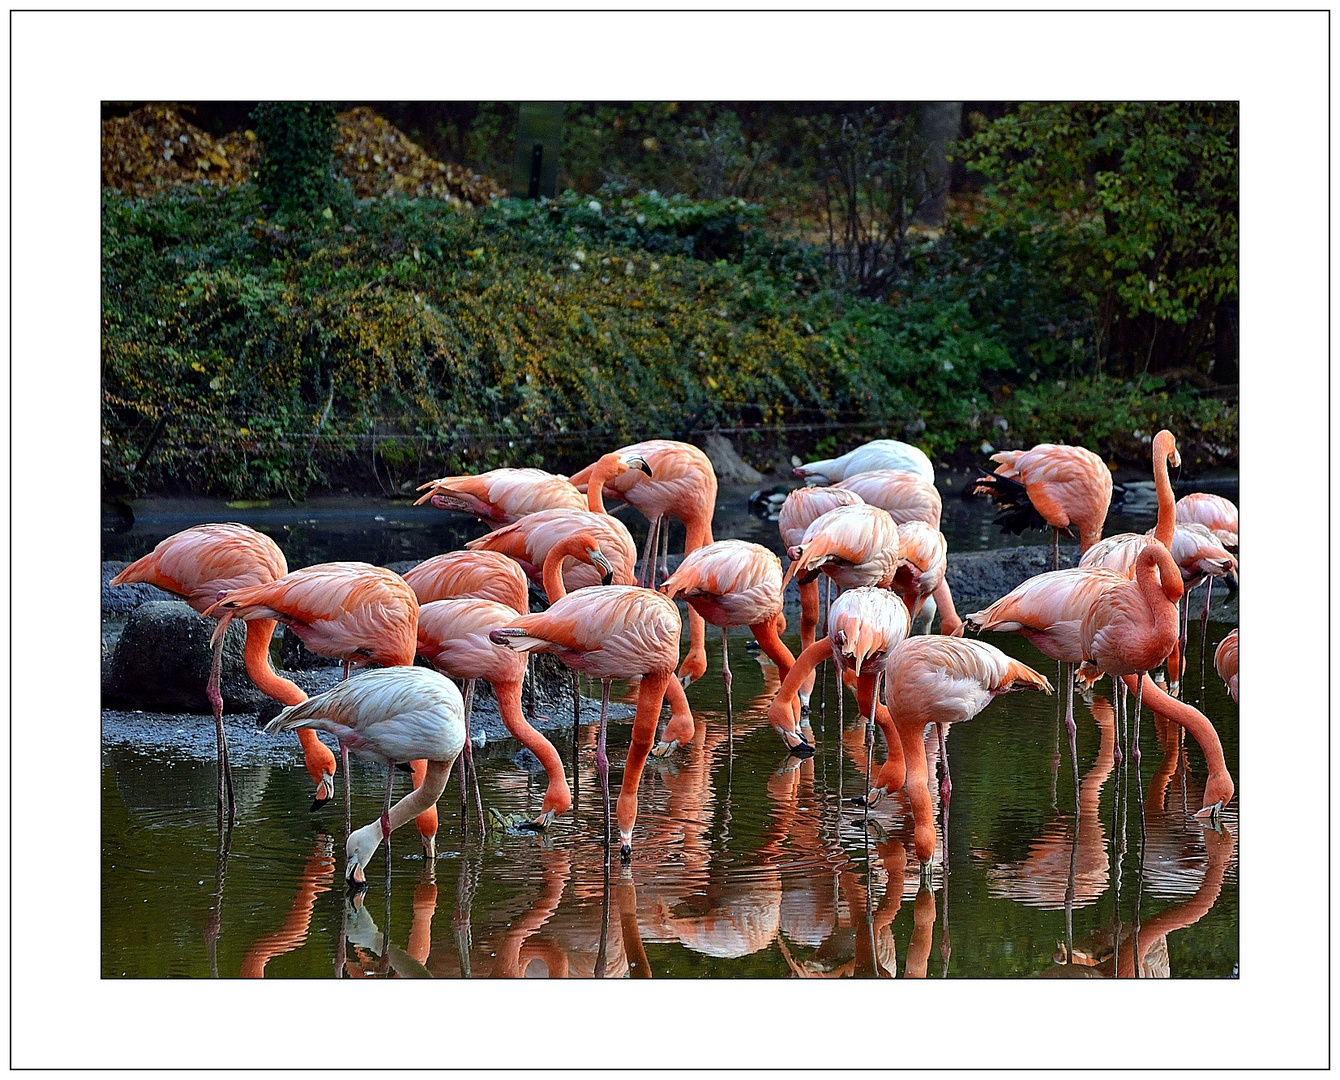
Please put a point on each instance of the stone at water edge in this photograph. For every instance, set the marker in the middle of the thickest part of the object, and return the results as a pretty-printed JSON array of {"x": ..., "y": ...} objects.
[
  {"x": 161, "y": 663},
  {"x": 729, "y": 467}
]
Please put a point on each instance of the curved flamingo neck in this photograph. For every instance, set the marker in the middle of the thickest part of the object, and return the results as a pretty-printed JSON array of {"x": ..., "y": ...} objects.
[
  {"x": 256, "y": 658},
  {"x": 1164, "y": 447},
  {"x": 809, "y": 659},
  {"x": 607, "y": 468},
  {"x": 1166, "y": 588},
  {"x": 773, "y": 646},
  {"x": 552, "y": 576}
]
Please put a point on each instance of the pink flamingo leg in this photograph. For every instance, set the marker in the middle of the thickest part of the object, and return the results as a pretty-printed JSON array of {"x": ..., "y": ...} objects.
[
  {"x": 225, "y": 772},
  {"x": 603, "y": 765}
]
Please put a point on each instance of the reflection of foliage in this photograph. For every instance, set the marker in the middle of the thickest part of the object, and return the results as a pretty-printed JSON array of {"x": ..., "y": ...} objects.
[
  {"x": 296, "y": 169},
  {"x": 1136, "y": 204}
]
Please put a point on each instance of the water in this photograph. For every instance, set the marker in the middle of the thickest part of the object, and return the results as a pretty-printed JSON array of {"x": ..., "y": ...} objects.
[
  {"x": 753, "y": 864},
  {"x": 382, "y": 531}
]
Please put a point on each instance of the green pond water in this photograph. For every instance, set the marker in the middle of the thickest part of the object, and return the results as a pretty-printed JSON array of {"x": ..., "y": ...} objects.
[{"x": 746, "y": 862}]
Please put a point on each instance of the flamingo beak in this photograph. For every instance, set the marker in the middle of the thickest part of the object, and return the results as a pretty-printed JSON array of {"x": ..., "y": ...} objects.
[
  {"x": 598, "y": 559},
  {"x": 635, "y": 462},
  {"x": 354, "y": 877}
]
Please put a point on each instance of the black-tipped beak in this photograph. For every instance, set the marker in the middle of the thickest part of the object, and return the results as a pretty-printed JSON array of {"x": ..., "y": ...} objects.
[
  {"x": 356, "y": 887},
  {"x": 625, "y": 854},
  {"x": 802, "y": 749},
  {"x": 317, "y": 804},
  {"x": 607, "y": 579},
  {"x": 640, "y": 463}
]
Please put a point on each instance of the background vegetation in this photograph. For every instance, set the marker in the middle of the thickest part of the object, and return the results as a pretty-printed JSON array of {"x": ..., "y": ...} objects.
[{"x": 803, "y": 277}]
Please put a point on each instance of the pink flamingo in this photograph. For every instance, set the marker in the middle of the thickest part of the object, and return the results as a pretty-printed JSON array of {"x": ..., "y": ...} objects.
[
  {"x": 853, "y": 545},
  {"x": 678, "y": 482},
  {"x": 1129, "y": 630},
  {"x": 1226, "y": 662},
  {"x": 940, "y": 680},
  {"x": 864, "y": 624},
  {"x": 390, "y": 715},
  {"x": 921, "y": 573},
  {"x": 617, "y": 632},
  {"x": 350, "y": 611},
  {"x": 800, "y": 509},
  {"x": 736, "y": 583},
  {"x": 481, "y": 575},
  {"x": 453, "y": 636},
  {"x": 200, "y": 563},
  {"x": 1051, "y": 486},
  {"x": 502, "y": 496},
  {"x": 529, "y": 540},
  {"x": 1216, "y": 513},
  {"x": 906, "y": 496}
]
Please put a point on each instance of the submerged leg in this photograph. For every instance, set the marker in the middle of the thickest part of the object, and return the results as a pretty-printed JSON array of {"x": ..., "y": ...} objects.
[
  {"x": 576, "y": 718},
  {"x": 469, "y": 765},
  {"x": 1071, "y": 729},
  {"x": 225, "y": 772},
  {"x": 946, "y": 785},
  {"x": 726, "y": 676},
  {"x": 603, "y": 766},
  {"x": 386, "y": 814},
  {"x": 348, "y": 794}
]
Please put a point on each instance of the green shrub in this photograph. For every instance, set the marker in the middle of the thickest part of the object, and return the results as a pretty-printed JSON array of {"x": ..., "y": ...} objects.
[{"x": 297, "y": 139}]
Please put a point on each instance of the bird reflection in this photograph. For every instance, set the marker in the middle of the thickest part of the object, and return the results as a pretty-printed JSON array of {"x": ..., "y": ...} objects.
[
  {"x": 1044, "y": 877},
  {"x": 318, "y": 874},
  {"x": 373, "y": 954},
  {"x": 1097, "y": 950}
]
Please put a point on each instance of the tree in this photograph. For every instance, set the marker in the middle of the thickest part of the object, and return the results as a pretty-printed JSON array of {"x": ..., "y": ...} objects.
[{"x": 1139, "y": 204}]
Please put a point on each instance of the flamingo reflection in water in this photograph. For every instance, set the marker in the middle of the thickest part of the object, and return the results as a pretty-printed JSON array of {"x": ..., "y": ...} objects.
[{"x": 318, "y": 876}]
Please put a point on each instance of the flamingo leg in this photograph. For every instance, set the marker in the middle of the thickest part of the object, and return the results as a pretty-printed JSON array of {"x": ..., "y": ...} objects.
[
  {"x": 1071, "y": 729},
  {"x": 1056, "y": 549},
  {"x": 530, "y": 688},
  {"x": 1204, "y": 625},
  {"x": 348, "y": 794},
  {"x": 870, "y": 754},
  {"x": 225, "y": 772},
  {"x": 648, "y": 553},
  {"x": 576, "y": 718},
  {"x": 665, "y": 555},
  {"x": 469, "y": 766},
  {"x": 1135, "y": 758},
  {"x": 1056, "y": 739},
  {"x": 603, "y": 766},
  {"x": 386, "y": 815},
  {"x": 946, "y": 785},
  {"x": 726, "y": 677}
]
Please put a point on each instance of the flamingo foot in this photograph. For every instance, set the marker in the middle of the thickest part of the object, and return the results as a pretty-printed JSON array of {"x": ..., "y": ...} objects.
[
  {"x": 539, "y": 824},
  {"x": 662, "y": 749}
]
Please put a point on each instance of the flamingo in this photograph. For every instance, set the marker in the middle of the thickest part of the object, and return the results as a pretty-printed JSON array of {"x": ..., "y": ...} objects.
[
  {"x": 1047, "y": 610},
  {"x": 1051, "y": 486},
  {"x": 351, "y": 611},
  {"x": 1226, "y": 662},
  {"x": 877, "y": 454},
  {"x": 1129, "y": 630},
  {"x": 940, "y": 680},
  {"x": 1216, "y": 513},
  {"x": 921, "y": 573},
  {"x": 198, "y": 564},
  {"x": 799, "y": 510},
  {"x": 389, "y": 715},
  {"x": 529, "y": 540},
  {"x": 864, "y": 624},
  {"x": 453, "y": 635},
  {"x": 617, "y": 632},
  {"x": 482, "y": 575},
  {"x": 853, "y": 545},
  {"x": 1199, "y": 556},
  {"x": 502, "y": 496},
  {"x": 679, "y": 483},
  {"x": 736, "y": 583},
  {"x": 907, "y": 496}
]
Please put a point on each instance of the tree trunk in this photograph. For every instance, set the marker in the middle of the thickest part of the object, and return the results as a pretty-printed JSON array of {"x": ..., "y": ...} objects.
[{"x": 938, "y": 125}]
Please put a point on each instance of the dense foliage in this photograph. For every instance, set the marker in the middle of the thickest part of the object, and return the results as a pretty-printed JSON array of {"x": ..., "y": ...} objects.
[
  {"x": 1135, "y": 207},
  {"x": 394, "y": 339},
  {"x": 297, "y": 138}
]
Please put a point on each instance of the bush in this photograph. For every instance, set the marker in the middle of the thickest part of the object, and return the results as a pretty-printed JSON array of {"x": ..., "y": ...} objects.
[
  {"x": 296, "y": 169},
  {"x": 396, "y": 339}
]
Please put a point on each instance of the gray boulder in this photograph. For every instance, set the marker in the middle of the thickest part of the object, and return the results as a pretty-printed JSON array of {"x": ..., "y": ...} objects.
[
  {"x": 161, "y": 663},
  {"x": 726, "y": 463}
]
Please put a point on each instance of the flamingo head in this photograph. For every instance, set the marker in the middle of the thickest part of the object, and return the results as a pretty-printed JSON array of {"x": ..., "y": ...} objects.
[
  {"x": 1218, "y": 792},
  {"x": 358, "y": 851},
  {"x": 599, "y": 561}
]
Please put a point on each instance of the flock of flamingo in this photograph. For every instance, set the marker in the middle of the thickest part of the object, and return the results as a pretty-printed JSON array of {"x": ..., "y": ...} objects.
[{"x": 870, "y": 526}]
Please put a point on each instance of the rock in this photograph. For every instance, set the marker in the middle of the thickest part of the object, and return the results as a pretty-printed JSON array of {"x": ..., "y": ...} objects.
[
  {"x": 979, "y": 578},
  {"x": 161, "y": 663},
  {"x": 295, "y": 656},
  {"x": 726, "y": 463},
  {"x": 125, "y": 598}
]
